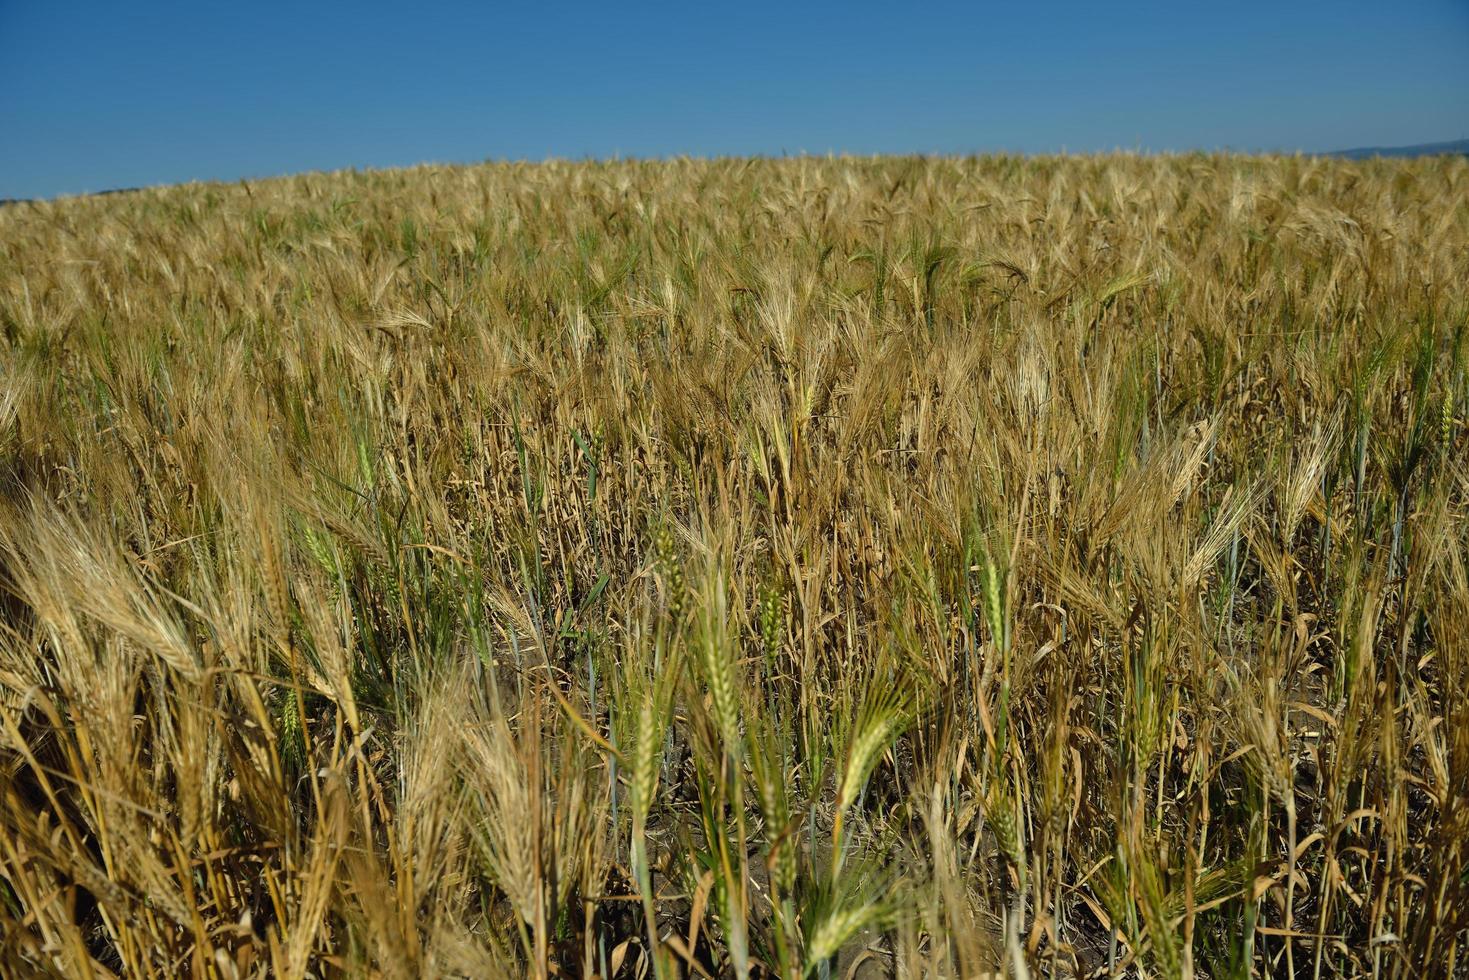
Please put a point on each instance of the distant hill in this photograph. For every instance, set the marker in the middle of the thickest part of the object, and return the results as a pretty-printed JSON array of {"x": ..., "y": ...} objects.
[
  {"x": 1452, "y": 148},
  {"x": 111, "y": 190}
]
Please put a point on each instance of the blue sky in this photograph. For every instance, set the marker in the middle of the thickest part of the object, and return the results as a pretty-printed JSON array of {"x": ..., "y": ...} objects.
[{"x": 99, "y": 95}]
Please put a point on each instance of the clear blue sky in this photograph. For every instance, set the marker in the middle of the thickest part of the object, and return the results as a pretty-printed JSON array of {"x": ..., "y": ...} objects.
[{"x": 116, "y": 94}]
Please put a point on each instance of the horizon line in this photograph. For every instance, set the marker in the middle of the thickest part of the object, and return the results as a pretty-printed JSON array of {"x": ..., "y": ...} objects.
[{"x": 1359, "y": 154}]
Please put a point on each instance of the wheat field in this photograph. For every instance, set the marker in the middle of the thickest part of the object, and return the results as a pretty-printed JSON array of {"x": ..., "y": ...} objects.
[{"x": 844, "y": 567}]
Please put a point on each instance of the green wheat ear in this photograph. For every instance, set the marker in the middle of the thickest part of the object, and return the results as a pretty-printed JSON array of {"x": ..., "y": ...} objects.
[
  {"x": 717, "y": 661},
  {"x": 665, "y": 551},
  {"x": 293, "y": 746},
  {"x": 835, "y": 929},
  {"x": 993, "y": 582},
  {"x": 1446, "y": 420},
  {"x": 839, "y": 909},
  {"x": 772, "y": 620},
  {"x": 1000, "y": 814},
  {"x": 880, "y": 721},
  {"x": 646, "y": 761},
  {"x": 875, "y": 731},
  {"x": 318, "y": 546}
]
